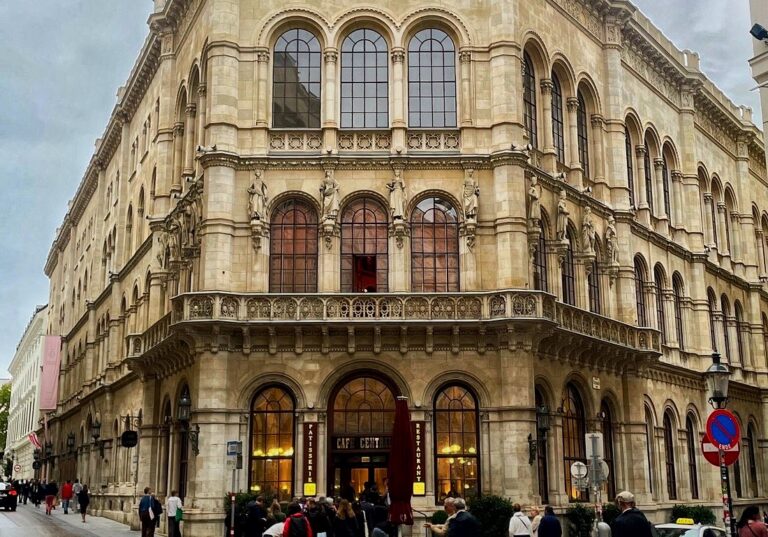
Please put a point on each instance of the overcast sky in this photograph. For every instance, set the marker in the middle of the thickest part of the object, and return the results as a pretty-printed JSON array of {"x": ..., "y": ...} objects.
[{"x": 61, "y": 62}]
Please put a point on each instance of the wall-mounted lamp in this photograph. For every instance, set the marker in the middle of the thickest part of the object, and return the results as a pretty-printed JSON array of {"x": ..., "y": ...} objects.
[{"x": 183, "y": 415}]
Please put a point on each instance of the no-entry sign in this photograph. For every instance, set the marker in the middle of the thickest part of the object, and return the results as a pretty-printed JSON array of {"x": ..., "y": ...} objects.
[
  {"x": 712, "y": 455},
  {"x": 723, "y": 429}
]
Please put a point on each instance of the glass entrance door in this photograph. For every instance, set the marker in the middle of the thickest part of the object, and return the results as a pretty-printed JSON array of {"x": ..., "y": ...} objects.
[{"x": 353, "y": 472}]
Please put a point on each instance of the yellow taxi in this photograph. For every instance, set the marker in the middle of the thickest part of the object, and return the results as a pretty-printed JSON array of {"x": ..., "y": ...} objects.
[{"x": 685, "y": 527}]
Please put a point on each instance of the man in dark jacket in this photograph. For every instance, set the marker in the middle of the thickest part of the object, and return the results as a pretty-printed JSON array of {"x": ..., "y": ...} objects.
[
  {"x": 631, "y": 522},
  {"x": 463, "y": 524},
  {"x": 256, "y": 517},
  {"x": 549, "y": 525}
]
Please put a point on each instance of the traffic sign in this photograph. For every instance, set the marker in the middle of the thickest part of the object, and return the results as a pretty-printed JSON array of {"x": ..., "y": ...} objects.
[
  {"x": 578, "y": 470},
  {"x": 723, "y": 429},
  {"x": 17, "y": 468},
  {"x": 711, "y": 453}
]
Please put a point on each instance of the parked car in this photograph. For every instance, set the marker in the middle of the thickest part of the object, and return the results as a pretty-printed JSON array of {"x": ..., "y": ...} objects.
[
  {"x": 8, "y": 497},
  {"x": 684, "y": 527}
]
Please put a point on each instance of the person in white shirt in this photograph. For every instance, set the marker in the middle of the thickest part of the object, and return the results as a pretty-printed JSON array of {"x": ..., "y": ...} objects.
[
  {"x": 519, "y": 524},
  {"x": 535, "y": 514},
  {"x": 172, "y": 503}
]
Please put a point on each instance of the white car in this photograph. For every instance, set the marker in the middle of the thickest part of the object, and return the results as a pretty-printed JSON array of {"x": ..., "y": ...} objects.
[{"x": 684, "y": 527}]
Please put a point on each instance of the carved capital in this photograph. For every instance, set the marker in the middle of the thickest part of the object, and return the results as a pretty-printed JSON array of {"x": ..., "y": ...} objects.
[
  {"x": 708, "y": 198},
  {"x": 597, "y": 120},
  {"x": 658, "y": 163},
  {"x": 202, "y": 90},
  {"x": 331, "y": 55},
  {"x": 398, "y": 55},
  {"x": 262, "y": 56},
  {"x": 178, "y": 129},
  {"x": 328, "y": 230},
  {"x": 465, "y": 56},
  {"x": 677, "y": 175},
  {"x": 546, "y": 86},
  {"x": 573, "y": 104},
  {"x": 191, "y": 110},
  {"x": 640, "y": 150}
]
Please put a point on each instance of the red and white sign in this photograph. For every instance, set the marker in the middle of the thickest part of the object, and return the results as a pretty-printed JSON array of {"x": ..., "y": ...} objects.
[
  {"x": 723, "y": 429},
  {"x": 712, "y": 454}
]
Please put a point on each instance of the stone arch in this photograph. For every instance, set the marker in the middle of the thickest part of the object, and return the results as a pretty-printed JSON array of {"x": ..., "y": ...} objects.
[
  {"x": 659, "y": 269},
  {"x": 705, "y": 185},
  {"x": 281, "y": 20},
  {"x": 435, "y": 193},
  {"x": 731, "y": 200},
  {"x": 359, "y": 367},
  {"x": 435, "y": 17},
  {"x": 671, "y": 408},
  {"x": 354, "y": 196},
  {"x": 577, "y": 379},
  {"x": 534, "y": 46},
  {"x": 652, "y": 141},
  {"x": 282, "y": 197},
  {"x": 588, "y": 89},
  {"x": 611, "y": 398},
  {"x": 670, "y": 153},
  {"x": 477, "y": 386},
  {"x": 254, "y": 385},
  {"x": 565, "y": 74},
  {"x": 634, "y": 127},
  {"x": 543, "y": 384},
  {"x": 378, "y": 20}
]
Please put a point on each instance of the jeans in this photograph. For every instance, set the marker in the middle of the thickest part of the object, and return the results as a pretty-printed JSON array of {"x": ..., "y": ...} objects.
[{"x": 65, "y": 506}]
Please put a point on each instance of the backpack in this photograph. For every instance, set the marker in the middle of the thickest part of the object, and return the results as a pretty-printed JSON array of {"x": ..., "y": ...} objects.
[{"x": 297, "y": 526}]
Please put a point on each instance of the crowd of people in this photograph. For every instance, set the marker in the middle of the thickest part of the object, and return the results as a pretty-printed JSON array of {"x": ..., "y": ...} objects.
[{"x": 39, "y": 491}]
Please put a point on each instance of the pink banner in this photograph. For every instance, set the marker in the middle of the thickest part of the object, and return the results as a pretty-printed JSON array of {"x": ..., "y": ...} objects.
[{"x": 49, "y": 379}]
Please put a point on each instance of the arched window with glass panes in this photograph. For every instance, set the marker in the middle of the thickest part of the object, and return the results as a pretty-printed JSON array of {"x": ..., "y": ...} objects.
[
  {"x": 558, "y": 135},
  {"x": 640, "y": 276},
  {"x": 677, "y": 289},
  {"x": 630, "y": 166},
  {"x": 296, "y": 81},
  {"x": 364, "y": 81},
  {"x": 593, "y": 282},
  {"x": 567, "y": 271},
  {"x": 529, "y": 100},
  {"x": 659, "y": 281},
  {"x": 649, "y": 446},
  {"x": 574, "y": 446},
  {"x": 711, "y": 308},
  {"x": 725, "y": 313},
  {"x": 271, "y": 451},
  {"x": 739, "y": 336},
  {"x": 293, "y": 248},
  {"x": 457, "y": 457},
  {"x": 582, "y": 133},
  {"x": 606, "y": 427},
  {"x": 434, "y": 247},
  {"x": 692, "y": 449},
  {"x": 752, "y": 460},
  {"x": 669, "y": 456},
  {"x": 648, "y": 176},
  {"x": 364, "y": 238},
  {"x": 540, "y": 276},
  {"x": 431, "y": 80},
  {"x": 542, "y": 457}
]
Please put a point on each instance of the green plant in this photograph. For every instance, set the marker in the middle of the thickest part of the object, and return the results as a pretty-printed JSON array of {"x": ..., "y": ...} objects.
[
  {"x": 493, "y": 513},
  {"x": 610, "y": 512},
  {"x": 580, "y": 519},
  {"x": 439, "y": 517},
  {"x": 699, "y": 513}
]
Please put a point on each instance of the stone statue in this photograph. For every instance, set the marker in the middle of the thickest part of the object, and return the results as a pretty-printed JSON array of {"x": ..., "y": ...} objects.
[
  {"x": 562, "y": 218},
  {"x": 534, "y": 203},
  {"x": 611, "y": 242},
  {"x": 397, "y": 196},
  {"x": 329, "y": 191},
  {"x": 257, "y": 204},
  {"x": 162, "y": 243},
  {"x": 173, "y": 241},
  {"x": 470, "y": 196},
  {"x": 588, "y": 232}
]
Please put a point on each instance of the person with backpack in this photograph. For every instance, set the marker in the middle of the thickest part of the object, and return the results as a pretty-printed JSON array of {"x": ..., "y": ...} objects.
[{"x": 296, "y": 524}]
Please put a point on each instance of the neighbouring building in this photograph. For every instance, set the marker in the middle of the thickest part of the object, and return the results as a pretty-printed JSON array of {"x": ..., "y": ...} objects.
[
  {"x": 759, "y": 63},
  {"x": 532, "y": 219},
  {"x": 24, "y": 411}
]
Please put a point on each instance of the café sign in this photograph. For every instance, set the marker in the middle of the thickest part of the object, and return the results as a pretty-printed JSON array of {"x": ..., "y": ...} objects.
[{"x": 357, "y": 443}]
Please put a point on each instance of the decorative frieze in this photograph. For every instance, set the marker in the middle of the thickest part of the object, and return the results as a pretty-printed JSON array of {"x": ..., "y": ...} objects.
[
  {"x": 295, "y": 141},
  {"x": 434, "y": 141},
  {"x": 364, "y": 141}
]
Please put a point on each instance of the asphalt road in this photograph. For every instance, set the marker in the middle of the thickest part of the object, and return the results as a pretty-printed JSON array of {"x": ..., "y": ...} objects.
[{"x": 28, "y": 521}]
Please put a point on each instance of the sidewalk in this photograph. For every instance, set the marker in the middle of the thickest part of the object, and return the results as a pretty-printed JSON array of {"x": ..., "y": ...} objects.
[{"x": 99, "y": 526}]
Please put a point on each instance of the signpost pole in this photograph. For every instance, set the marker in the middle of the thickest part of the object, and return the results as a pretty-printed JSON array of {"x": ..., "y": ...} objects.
[{"x": 728, "y": 520}]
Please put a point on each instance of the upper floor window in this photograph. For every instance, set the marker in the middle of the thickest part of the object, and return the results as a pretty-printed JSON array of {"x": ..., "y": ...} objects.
[
  {"x": 642, "y": 319},
  {"x": 648, "y": 177},
  {"x": 364, "y": 236},
  {"x": 677, "y": 287},
  {"x": 630, "y": 167},
  {"x": 582, "y": 136},
  {"x": 558, "y": 136},
  {"x": 593, "y": 283},
  {"x": 712, "y": 306},
  {"x": 569, "y": 290},
  {"x": 665, "y": 185},
  {"x": 540, "y": 261},
  {"x": 658, "y": 280},
  {"x": 434, "y": 247},
  {"x": 293, "y": 249},
  {"x": 529, "y": 99},
  {"x": 431, "y": 80},
  {"x": 364, "y": 81},
  {"x": 739, "y": 327},
  {"x": 669, "y": 453},
  {"x": 296, "y": 81}
]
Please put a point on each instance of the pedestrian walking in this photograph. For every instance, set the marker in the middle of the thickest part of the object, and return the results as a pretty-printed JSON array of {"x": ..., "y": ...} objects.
[
  {"x": 631, "y": 522},
  {"x": 35, "y": 490},
  {"x": 67, "y": 492},
  {"x": 146, "y": 514},
  {"x": 345, "y": 523},
  {"x": 450, "y": 510},
  {"x": 83, "y": 501},
  {"x": 51, "y": 491},
  {"x": 317, "y": 519},
  {"x": 157, "y": 510},
  {"x": 76, "y": 488},
  {"x": 751, "y": 524},
  {"x": 464, "y": 524},
  {"x": 550, "y": 525},
  {"x": 519, "y": 524},
  {"x": 173, "y": 508}
]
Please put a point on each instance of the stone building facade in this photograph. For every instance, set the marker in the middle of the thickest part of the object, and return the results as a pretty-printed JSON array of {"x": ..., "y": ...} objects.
[
  {"x": 532, "y": 219},
  {"x": 24, "y": 412}
]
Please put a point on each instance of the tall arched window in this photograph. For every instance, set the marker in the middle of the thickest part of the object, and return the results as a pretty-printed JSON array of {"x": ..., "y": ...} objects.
[
  {"x": 434, "y": 247},
  {"x": 658, "y": 280},
  {"x": 642, "y": 319},
  {"x": 715, "y": 197},
  {"x": 431, "y": 80},
  {"x": 272, "y": 444},
  {"x": 574, "y": 447},
  {"x": 364, "y": 264},
  {"x": 692, "y": 448},
  {"x": 582, "y": 129},
  {"x": 593, "y": 283},
  {"x": 648, "y": 177},
  {"x": 364, "y": 81},
  {"x": 725, "y": 312},
  {"x": 542, "y": 458},
  {"x": 630, "y": 166},
  {"x": 457, "y": 463},
  {"x": 712, "y": 306},
  {"x": 665, "y": 185},
  {"x": 752, "y": 461},
  {"x": 567, "y": 272},
  {"x": 606, "y": 427},
  {"x": 558, "y": 136},
  {"x": 669, "y": 457},
  {"x": 677, "y": 287},
  {"x": 529, "y": 100},
  {"x": 541, "y": 281},
  {"x": 296, "y": 81},
  {"x": 165, "y": 448},
  {"x": 649, "y": 445},
  {"x": 293, "y": 248},
  {"x": 739, "y": 337},
  {"x": 183, "y": 467},
  {"x": 129, "y": 230}
]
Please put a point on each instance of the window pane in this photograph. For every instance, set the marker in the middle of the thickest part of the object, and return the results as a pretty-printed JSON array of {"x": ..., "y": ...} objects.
[
  {"x": 365, "y": 52},
  {"x": 431, "y": 73},
  {"x": 296, "y": 77},
  {"x": 293, "y": 248}
]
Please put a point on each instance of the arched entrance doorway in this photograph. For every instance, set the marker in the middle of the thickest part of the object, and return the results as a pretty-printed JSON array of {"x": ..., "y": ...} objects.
[{"x": 361, "y": 415}]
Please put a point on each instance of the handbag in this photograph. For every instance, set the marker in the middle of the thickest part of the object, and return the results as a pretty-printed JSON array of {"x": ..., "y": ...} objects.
[
  {"x": 179, "y": 514},
  {"x": 151, "y": 513}
]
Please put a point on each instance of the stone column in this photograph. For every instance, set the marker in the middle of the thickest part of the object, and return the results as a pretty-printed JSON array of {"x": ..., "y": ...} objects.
[
  {"x": 549, "y": 159},
  {"x": 636, "y": 437},
  {"x": 329, "y": 258},
  {"x": 263, "y": 94},
  {"x": 760, "y": 246},
  {"x": 178, "y": 149},
  {"x": 642, "y": 201},
  {"x": 189, "y": 139},
  {"x": 735, "y": 237},
  {"x": 398, "y": 99},
  {"x": 399, "y": 257},
  {"x": 597, "y": 146},
  {"x": 678, "y": 219},
  {"x": 658, "y": 169},
  {"x": 202, "y": 114},
  {"x": 581, "y": 266},
  {"x": 650, "y": 304},
  {"x": 504, "y": 66},
  {"x": 709, "y": 231},
  {"x": 465, "y": 98},
  {"x": 572, "y": 146},
  {"x": 669, "y": 317},
  {"x": 723, "y": 228},
  {"x": 510, "y": 223},
  {"x": 330, "y": 116}
]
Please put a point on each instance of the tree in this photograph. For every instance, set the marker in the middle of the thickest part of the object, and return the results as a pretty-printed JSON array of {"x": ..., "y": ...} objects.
[{"x": 5, "y": 406}]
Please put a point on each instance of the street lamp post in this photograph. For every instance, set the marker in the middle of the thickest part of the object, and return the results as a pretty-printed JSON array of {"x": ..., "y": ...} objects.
[{"x": 717, "y": 376}]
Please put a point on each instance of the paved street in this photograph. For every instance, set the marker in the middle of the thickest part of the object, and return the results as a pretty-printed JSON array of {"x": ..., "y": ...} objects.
[{"x": 30, "y": 522}]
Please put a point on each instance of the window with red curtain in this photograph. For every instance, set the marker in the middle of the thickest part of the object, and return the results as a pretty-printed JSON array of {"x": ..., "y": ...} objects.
[
  {"x": 364, "y": 264},
  {"x": 434, "y": 247}
]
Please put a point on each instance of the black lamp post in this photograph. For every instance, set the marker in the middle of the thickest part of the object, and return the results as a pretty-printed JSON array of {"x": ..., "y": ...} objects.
[
  {"x": 71, "y": 442},
  {"x": 542, "y": 427},
  {"x": 183, "y": 414},
  {"x": 96, "y": 435},
  {"x": 717, "y": 376}
]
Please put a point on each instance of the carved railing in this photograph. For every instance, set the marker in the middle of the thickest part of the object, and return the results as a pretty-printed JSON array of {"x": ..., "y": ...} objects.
[
  {"x": 298, "y": 140},
  {"x": 355, "y": 140},
  {"x": 434, "y": 140},
  {"x": 398, "y": 307},
  {"x": 138, "y": 344}
]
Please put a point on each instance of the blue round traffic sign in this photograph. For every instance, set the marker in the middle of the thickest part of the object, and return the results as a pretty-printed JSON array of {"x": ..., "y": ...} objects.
[{"x": 723, "y": 429}]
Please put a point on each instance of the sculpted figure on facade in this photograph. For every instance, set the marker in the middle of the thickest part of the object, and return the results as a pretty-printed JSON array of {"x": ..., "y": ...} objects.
[
  {"x": 397, "y": 196},
  {"x": 329, "y": 191},
  {"x": 257, "y": 204},
  {"x": 162, "y": 244},
  {"x": 534, "y": 203},
  {"x": 562, "y": 218},
  {"x": 173, "y": 241},
  {"x": 611, "y": 242},
  {"x": 588, "y": 232},
  {"x": 470, "y": 196}
]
